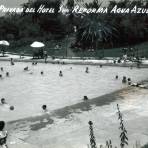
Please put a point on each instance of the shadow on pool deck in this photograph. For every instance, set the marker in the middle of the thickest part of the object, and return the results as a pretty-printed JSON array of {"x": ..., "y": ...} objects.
[{"x": 38, "y": 122}]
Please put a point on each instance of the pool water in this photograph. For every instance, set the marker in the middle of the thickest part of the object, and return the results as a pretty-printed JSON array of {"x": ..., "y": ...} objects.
[{"x": 27, "y": 91}]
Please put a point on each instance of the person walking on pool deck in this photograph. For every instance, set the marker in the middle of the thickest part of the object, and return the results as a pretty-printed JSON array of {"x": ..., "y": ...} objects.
[{"x": 3, "y": 135}]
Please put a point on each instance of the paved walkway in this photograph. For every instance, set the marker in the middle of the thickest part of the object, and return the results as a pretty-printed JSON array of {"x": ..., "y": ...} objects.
[{"x": 74, "y": 60}]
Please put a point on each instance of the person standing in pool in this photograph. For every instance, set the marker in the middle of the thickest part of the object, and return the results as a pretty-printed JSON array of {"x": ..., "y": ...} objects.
[
  {"x": 87, "y": 70},
  {"x": 3, "y": 135},
  {"x": 11, "y": 61},
  {"x": 2, "y": 69},
  {"x": 60, "y": 74}
]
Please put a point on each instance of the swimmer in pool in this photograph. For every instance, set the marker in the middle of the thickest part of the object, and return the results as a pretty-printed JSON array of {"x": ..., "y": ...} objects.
[
  {"x": 26, "y": 68},
  {"x": 2, "y": 69},
  {"x": 7, "y": 74},
  {"x": 44, "y": 107},
  {"x": 116, "y": 77},
  {"x": 3, "y": 101},
  {"x": 86, "y": 70},
  {"x": 60, "y": 74}
]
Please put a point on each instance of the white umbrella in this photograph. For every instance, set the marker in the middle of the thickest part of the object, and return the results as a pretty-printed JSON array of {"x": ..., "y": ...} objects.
[
  {"x": 3, "y": 42},
  {"x": 37, "y": 44}
]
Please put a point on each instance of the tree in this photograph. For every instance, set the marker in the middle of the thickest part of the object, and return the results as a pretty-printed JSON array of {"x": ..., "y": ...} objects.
[{"x": 94, "y": 30}]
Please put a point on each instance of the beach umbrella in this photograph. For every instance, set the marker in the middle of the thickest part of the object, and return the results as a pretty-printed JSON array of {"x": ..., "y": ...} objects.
[
  {"x": 37, "y": 44},
  {"x": 3, "y": 42}
]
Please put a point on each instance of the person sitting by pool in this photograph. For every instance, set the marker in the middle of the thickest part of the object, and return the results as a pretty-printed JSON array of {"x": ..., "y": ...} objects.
[
  {"x": 7, "y": 74},
  {"x": 2, "y": 69},
  {"x": 60, "y": 74},
  {"x": 44, "y": 107},
  {"x": 26, "y": 68},
  {"x": 87, "y": 71},
  {"x": 3, "y": 101},
  {"x": 3, "y": 135}
]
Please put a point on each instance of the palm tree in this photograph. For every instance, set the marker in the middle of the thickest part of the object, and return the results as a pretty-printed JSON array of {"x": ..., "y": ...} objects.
[{"x": 94, "y": 30}]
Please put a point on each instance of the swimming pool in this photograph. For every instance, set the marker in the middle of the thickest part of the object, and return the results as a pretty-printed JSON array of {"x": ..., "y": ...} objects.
[{"x": 27, "y": 91}]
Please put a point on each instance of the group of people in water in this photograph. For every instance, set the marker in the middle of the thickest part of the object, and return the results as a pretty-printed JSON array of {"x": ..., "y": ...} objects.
[
  {"x": 7, "y": 73},
  {"x": 2, "y": 70},
  {"x": 124, "y": 79},
  {"x": 3, "y": 102},
  {"x": 42, "y": 72},
  {"x": 128, "y": 81},
  {"x": 87, "y": 69}
]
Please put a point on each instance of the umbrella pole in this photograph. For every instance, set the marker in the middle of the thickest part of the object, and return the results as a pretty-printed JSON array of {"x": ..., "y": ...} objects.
[{"x": 3, "y": 52}]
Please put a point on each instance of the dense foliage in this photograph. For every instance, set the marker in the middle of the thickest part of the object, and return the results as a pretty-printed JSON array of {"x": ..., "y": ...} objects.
[{"x": 93, "y": 31}]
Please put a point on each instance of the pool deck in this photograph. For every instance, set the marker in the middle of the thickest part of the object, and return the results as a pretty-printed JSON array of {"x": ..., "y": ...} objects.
[{"x": 76, "y": 61}]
